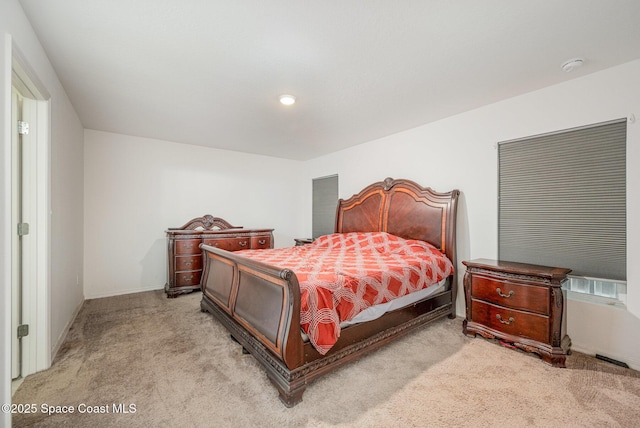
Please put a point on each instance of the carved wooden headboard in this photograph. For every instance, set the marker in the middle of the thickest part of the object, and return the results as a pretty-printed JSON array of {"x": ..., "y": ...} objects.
[
  {"x": 402, "y": 208},
  {"x": 207, "y": 222}
]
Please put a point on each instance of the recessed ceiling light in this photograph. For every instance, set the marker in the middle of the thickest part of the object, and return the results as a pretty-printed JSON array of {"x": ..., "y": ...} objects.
[
  {"x": 572, "y": 64},
  {"x": 287, "y": 99}
]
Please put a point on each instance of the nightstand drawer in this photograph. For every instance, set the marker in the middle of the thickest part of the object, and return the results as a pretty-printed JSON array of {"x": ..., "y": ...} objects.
[
  {"x": 188, "y": 246},
  {"x": 507, "y": 293},
  {"x": 513, "y": 322}
]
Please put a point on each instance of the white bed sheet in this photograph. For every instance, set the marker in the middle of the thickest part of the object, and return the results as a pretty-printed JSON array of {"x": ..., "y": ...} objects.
[{"x": 376, "y": 311}]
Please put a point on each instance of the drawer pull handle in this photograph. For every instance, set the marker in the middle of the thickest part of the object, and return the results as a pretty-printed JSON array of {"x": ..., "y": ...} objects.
[
  {"x": 188, "y": 278},
  {"x": 511, "y": 320},
  {"x": 262, "y": 241},
  {"x": 242, "y": 243},
  {"x": 511, "y": 293}
]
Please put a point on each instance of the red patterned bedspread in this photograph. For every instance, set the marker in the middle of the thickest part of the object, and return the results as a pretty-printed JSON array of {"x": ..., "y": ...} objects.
[{"x": 340, "y": 275}]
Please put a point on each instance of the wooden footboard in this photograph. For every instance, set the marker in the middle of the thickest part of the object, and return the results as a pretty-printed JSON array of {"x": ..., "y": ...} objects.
[
  {"x": 260, "y": 305},
  {"x": 264, "y": 299}
]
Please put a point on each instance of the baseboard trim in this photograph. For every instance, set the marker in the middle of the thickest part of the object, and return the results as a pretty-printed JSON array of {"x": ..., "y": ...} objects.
[
  {"x": 122, "y": 292},
  {"x": 65, "y": 331},
  {"x": 631, "y": 362},
  {"x": 612, "y": 361}
]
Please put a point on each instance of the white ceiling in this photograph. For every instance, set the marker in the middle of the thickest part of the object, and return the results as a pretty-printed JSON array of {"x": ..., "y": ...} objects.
[{"x": 209, "y": 72}]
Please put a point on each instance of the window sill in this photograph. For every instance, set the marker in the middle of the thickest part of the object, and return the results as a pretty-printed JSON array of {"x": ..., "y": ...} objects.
[{"x": 598, "y": 300}]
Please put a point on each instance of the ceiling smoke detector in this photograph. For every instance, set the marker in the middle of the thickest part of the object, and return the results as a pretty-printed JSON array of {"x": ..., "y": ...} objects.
[{"x": 572, "y": 64}]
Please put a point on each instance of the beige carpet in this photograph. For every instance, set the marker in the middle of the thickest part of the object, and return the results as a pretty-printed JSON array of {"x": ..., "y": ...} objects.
[{"x": 178, "y": 368}]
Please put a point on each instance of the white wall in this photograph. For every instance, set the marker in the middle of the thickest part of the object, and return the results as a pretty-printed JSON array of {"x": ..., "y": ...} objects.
[
  {"x": 459, "y": 152},
  {"x": 136, "y": 188},
  {"x": 67, "y": 216},
  {"x": 66, "y": 193}
]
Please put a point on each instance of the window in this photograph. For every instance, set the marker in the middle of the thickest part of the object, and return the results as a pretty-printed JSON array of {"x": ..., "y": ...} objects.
[
  {"x": 606, "y": 291},
  {"x": 562, "y": 202},
  {"x": 325, "y": 202}
]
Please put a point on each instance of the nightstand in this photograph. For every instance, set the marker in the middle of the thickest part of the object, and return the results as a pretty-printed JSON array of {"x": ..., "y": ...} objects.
[
  {"x": 518, "y": 303},
  {"x": 303, "y": 241}
]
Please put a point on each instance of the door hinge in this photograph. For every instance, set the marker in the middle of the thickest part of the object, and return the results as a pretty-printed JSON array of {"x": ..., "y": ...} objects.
[
  {"x": 23, "y": 229},
  {"x": 23, "y": 127},
  {"x": 23, "y": 330}
]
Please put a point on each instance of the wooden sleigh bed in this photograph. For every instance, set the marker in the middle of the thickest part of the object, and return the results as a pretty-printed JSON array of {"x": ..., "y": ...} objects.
[{"x": 260, "y": 304}]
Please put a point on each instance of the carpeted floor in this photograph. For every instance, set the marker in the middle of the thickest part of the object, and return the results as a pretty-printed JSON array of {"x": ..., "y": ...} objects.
[{"x": 169, "y": 365}]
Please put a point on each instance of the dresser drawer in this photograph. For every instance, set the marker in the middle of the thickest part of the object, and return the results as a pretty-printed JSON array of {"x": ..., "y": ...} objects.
[
  {"x": 260, "y": 242},
  {"x": 509, "y": 321},
  {"x": 188, "y": 278},
  {"x": 230, "y": 244},
  {"x": 190, "y": 262},
  {"x": 188, "y": 246},
  {"x": 506, "y": 293}
]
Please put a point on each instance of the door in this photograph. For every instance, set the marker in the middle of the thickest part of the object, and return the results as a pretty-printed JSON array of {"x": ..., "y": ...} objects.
[
  {"x": 30, "y": 205},
  {"x": 22, "y": 204}
]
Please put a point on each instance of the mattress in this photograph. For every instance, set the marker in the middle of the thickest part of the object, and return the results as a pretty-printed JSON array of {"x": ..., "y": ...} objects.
[
  {"x": 376, "y": 311},
  {"x": 343, "y": 274}
]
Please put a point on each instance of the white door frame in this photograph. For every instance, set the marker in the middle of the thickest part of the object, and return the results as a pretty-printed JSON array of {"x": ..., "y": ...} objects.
[
  {"x": 16, "y": 204},
  {"x": 36, "y": 307}
]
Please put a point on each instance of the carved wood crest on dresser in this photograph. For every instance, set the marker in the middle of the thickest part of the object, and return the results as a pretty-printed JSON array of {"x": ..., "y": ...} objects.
[
  {"x": 184, "y": 264},
  {"x": 520, "y": 304}
]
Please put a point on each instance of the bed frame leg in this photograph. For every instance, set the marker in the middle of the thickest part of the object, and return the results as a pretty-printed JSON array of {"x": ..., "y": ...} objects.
[
  {"x": 292, "y": 398},
  {"x": 452, "y": 315},
  {"x": 244, "y": 350},
  {"x": 290, "y": 392}
]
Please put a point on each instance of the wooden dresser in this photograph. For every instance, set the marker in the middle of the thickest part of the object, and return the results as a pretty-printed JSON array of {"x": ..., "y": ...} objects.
[
  {"x": 184, "y": 264},
  {"x": 520, "y": 304}
]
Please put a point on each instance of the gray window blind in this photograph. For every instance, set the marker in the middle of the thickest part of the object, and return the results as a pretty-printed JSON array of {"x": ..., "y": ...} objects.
[
  {"x": 562, "y": 200},
  {"x": 325, "y": 202}
]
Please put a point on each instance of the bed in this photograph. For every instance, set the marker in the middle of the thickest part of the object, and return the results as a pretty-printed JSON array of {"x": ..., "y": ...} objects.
[{"x": 261, "y": 296}]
